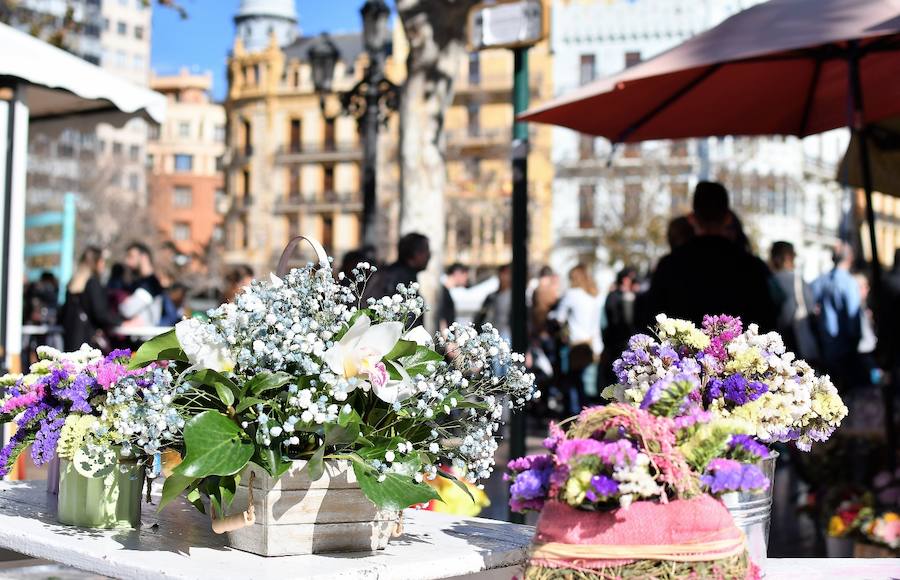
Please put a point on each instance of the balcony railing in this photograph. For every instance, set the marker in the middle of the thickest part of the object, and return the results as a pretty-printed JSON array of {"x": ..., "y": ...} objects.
[
  {"x": 320, "y": 201},
  {"x": 318, "y": 153}
]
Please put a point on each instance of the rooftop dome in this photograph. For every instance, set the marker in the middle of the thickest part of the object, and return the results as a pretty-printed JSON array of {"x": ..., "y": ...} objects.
[{"x": 278, "y": 8}]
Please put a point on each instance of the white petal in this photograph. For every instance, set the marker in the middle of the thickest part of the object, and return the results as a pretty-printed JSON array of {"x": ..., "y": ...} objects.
[
  {"x": 334, "y": 358},
  {"x": 420, "y": 336},
  {"x": 359, "y": 328},
  {"x": 381, "y": 338}
]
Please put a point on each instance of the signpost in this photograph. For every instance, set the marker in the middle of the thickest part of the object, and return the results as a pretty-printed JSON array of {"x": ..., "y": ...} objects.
[{"x": 518, "y": 25}]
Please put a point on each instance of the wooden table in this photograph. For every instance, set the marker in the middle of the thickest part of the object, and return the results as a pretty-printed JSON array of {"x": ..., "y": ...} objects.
[{"x": 179, "y": 544}]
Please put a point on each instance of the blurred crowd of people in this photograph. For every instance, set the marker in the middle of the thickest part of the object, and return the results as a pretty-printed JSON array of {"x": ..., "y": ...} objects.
[
  {"x": 577, "y": 330},
  {"x": 100, "y": 305}
]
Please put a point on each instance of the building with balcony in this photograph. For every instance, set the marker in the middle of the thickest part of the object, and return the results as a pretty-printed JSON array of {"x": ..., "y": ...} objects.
[
  {"x": 290, "y": 169},
  {"x": 185, "y": 154},
  {"x": 611, "y": 207}
]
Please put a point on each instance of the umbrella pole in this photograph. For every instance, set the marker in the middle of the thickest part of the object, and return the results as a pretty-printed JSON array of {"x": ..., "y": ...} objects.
[{"x": 860, "y": 132}]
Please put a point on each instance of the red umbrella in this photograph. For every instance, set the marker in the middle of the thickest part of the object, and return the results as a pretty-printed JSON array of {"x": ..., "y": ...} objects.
[{"x": 788, "y": 67}]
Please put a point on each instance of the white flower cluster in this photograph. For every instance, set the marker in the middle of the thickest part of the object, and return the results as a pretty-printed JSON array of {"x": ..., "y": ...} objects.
[
  {"x": 636, "y": 481},
  {"x": 140, "y": 414}
]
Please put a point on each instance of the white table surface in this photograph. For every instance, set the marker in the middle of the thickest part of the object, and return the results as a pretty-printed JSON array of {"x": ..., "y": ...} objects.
[{"x": 178, "y": 544}]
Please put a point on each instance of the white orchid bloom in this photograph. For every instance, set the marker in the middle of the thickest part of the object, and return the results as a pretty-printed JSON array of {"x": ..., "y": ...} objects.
[
  {"x": 358, "y": 354},
  {"x": 420, "y": 336},
  {"x": 203, "y": 345}
]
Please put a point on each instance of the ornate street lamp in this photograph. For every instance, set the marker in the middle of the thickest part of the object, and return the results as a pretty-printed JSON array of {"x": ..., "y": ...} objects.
[{"x": 371, "y": 100}]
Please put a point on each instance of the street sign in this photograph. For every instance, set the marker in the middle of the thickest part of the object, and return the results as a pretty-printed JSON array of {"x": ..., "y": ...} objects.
[{"x": 506, "y": 24}]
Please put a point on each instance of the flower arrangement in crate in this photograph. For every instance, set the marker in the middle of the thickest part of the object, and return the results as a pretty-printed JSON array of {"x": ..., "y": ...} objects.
[
  {"x": 629, "y": 492},
  {"x": 105, "y": 422},
  {"x": 304, "y": 386}
]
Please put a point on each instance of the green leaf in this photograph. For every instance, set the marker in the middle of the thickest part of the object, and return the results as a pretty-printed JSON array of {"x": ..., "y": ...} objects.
[
  {"x": 196, "y": 500},
  {"x": 214, "y": 445},
  {"x": 316, "y": 464},
  {"x": 403, "y": 348},
  {"x": 272, "y": 460},
  {"x": 395, "y": 492},
  {"x": 225, "y": 387},
  {"x": 266, "y": 381},
  {"x": 417, "y": 364},
  {"x": 246, "y": 403},
  {"x": 162, "y": 347},
  {"x": 457, "y": 483},
  {"x": 337, "y": 435},
  {"x": 172, "y": 488}
]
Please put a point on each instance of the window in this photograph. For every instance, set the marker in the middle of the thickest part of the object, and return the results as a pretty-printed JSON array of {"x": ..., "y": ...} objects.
[
  {"x": 586, "y": 69},
  {"x": 585, "y": 147},
  {"x": 220, "y": 162},
  {"x": 138, "y": 62},
  {"x": 92, "y": 58},
  {"x": 181, "y": 231},
  {"x": 139, "y": 32},
  {"x": 151, "y": 161},
  {"x": 92, "y": 30},
  {"x": 472, "y": 110},
  {"x": 474, "y": 68},
  {"x": 296, "y": 136},
  {"x": 632, "y": 57},
  {"x": 294, "y": 182},
  {"x": 121, "y": 28},
  {"x": 586, "y": 196},
  {"x": 153, "y": 132},
  {"x": 248, "y": 146},
  {"x": 328, "y": 179},
  {"x": 328, "y": 233},
  {"x": 184, "y": 163},
  {"x": 329, "y": 134},
  {"x": 134, "y": 182},
  {"x": 473, "y": 168},
  {"x": 106, "y": 24},
  {"x": 218, "y": 234},
  {"x": 182, "y": 196},
  {"x": 246, "y": 187},
  {"x": 184, "y": 129},
  {"x": 221, "y": 199},
  {"x": 121, "y": 59},
  {"x": 116, "y": 148},
  {"x": 634, "y": 192},
  {"x": 219, "y": 133}
]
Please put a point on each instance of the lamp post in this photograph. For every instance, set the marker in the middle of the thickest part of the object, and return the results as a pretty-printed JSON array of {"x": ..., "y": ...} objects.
[{"x": 371, "y": 100}]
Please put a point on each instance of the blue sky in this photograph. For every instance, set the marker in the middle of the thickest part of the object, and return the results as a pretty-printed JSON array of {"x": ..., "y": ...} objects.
[{"x": 203, "y": 41}]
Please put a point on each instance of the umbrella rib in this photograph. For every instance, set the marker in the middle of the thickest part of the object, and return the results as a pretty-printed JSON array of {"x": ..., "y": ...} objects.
[
  {"x": 669, "y": 101},
  {"x": 807, "y": 106}
]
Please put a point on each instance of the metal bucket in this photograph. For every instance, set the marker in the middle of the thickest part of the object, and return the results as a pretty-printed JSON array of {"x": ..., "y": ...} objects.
[{"x": 752, "y": 513}]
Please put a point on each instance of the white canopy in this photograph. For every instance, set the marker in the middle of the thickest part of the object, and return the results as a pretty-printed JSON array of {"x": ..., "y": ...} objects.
[
  {"x": 53, "y": 90},
  {"x": 61, "y": 83}
]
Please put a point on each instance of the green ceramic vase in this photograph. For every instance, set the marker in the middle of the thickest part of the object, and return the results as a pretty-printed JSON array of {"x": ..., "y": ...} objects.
[{"x": 110, "y": 501}]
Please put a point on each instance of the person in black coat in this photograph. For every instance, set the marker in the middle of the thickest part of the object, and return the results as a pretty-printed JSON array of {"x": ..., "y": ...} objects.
[
  {"x": 87, "y": 316},
  {"x": 713, "y": 273}
]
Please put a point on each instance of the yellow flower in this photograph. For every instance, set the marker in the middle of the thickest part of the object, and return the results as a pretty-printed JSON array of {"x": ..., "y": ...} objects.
[
  {"x": 891, "y": 517},
  {"x": 836, "y": 527},
  {"x": 456, "y": 501}
]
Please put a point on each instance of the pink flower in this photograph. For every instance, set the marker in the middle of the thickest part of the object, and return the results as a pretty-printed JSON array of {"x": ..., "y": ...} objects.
[{"x": 378, "y": 375}]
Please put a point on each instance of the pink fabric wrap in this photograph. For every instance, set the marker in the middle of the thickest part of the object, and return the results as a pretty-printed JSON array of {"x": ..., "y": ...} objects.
[{"x": 698, "y": 520}]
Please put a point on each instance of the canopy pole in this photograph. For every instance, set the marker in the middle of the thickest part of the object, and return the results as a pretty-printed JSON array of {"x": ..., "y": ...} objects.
[{"x": 860, "y": 131}]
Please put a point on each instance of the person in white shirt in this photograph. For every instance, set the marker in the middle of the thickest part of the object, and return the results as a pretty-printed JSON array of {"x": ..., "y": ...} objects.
[{"x": 580, "y": 310}]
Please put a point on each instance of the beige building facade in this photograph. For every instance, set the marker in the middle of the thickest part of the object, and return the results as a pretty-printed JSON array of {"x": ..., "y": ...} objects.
[
  {"x": 184, "y": 161},
  {"x": 290, "y": 169}
]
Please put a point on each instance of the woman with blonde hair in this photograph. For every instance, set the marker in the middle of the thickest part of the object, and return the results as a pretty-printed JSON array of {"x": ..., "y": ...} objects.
[
  {"x": 87, "y": 317},
  {"x": 580, "y": 310}
]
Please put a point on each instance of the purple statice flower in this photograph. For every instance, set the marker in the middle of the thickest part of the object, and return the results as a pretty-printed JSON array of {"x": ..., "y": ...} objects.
[
  {"x": 44, "y": 447},
  {"x": 23, "y": 397},
  {"x": 721, "y": 330},
  {"x": 116, "y": 354},
  {"x": 614, "y": 453},
  {"x": 78, "y": 392},
  {"x": 602, "y": 488},
  {"x": 638, "y": 353},
  {"x": 671, "y": 385},
  {"x": 735, "y": 389},
  {"x": 667, "y": 355},
  {"x": 691, "y": 415},
  {"x": 554, "y": 438},
  {"x": 531, "y": 482},
  {"x": 727, "y": 475},
  {"x": 11, "y": 451},
  {"x": 747, "y": 446}
]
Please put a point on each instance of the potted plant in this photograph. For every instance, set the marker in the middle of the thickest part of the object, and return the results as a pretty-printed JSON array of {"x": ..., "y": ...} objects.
[
  {"x": 630, "y": 492},
  {"x": 737, "y": 374},
  {"x": 105, "y": 423},
  {"x": 325, "y": 415}
]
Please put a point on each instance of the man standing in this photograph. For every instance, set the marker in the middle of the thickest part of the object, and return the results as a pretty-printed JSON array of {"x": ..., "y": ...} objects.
[
  {"x": 413, "y": 255},
  {"x": 457, "y": 276},
  {"x": 840, "y": 327},
  {"x": 795, "y": 320},
  {"x": 710, "y": 273}
]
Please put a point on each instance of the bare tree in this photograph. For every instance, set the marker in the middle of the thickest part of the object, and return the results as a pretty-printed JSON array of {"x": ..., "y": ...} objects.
[{"x": 435, "y": 30}]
